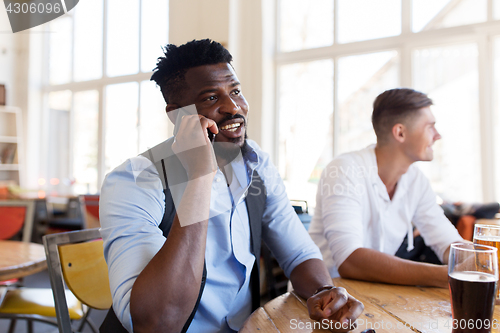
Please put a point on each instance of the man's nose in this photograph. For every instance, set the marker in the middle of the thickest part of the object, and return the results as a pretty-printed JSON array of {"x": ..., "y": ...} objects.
[
  {"x": 229, "y": 106},
  {"x": 437, "y": 136}
]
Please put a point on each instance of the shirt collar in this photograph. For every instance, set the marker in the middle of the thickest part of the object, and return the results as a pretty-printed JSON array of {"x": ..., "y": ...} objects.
[
  {"x": 250, "y": 154},
  {"x": 251, "y": 160},
  {"x": 246, "y": 161}
]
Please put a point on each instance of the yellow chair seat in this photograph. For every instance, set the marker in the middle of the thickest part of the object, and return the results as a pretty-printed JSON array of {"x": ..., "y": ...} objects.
[{"x": 38, "y": 301}]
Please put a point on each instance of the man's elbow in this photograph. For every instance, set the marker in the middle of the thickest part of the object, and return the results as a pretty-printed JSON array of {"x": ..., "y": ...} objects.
[
  {"x": 165, "y": 323},
  {"x": 347, "y": 270},
  {"x": 162, "y": 318}
]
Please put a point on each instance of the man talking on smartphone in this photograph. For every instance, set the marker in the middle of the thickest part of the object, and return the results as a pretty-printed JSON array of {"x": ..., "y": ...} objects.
[{"x": 183, "y": 222}]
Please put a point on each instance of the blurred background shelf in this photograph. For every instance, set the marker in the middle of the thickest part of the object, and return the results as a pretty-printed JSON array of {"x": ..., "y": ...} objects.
[{"x": 11, "y": 146}]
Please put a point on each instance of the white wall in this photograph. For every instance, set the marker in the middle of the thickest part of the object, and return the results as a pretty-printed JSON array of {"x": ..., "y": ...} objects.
[{"x": 197, "y": 19}]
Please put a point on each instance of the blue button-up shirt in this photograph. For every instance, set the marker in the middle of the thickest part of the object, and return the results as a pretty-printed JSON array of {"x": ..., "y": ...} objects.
[{"x": 132, "y": 209}]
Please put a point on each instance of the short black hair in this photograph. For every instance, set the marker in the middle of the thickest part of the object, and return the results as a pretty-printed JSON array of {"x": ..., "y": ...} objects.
[
  {"x": 396, "y": 106},
  {"x": 170, "y": 69}
]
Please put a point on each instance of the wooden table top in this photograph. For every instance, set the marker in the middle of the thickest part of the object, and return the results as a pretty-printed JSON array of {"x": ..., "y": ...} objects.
[
  {"x": 19, "y": 259},
  {"x": 388, "y": 308}
]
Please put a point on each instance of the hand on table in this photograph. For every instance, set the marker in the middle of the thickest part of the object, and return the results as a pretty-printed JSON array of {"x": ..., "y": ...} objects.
[{"x": 337, "y": 306}]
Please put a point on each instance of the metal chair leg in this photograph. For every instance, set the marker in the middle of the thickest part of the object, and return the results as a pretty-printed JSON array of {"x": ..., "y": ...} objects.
[
  {"x": 86, "y": 320},
  {"x": 12, "y": 326},
  {"x": 93, "y": 326},
  {"x": 83, "y": 321}
]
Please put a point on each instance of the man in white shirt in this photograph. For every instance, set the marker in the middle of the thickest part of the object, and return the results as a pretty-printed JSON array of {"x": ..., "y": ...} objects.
[{"x": 367, "y": 200}]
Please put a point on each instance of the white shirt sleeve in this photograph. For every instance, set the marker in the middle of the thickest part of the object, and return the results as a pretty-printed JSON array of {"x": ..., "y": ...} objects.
[
  {"x": 131, "y": 208},
  {"x": 340, "y": 192},
  {"x": 436, "y": 230}
]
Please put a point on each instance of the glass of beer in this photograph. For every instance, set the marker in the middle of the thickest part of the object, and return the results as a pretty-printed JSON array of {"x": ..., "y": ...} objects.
[
  {"x": 472, "y": 279},
  {"x": 486, "y": 234}
]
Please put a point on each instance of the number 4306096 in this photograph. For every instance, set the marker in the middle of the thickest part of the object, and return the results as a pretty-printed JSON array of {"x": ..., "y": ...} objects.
[{"x": 33, "y": 8}]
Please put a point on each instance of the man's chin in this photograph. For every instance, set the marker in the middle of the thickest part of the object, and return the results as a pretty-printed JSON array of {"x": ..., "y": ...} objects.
[
  {"x": 428, "y": 157},
  {"x": 240, "y": 141},
  {"x": 228, "y": 150}
]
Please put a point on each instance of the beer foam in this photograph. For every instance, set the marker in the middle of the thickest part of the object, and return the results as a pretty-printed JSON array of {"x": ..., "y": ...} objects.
[
  {"x": 488, "y": 238},
  {"x": 474, "y": 276}
]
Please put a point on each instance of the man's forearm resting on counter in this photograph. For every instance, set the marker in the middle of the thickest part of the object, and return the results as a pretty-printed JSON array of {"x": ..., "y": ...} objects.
[{"x": 371, "y": 265}]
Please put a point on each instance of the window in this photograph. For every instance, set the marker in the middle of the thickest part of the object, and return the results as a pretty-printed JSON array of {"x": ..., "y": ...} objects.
[
  {"x": 305, "y": 114},
  {"x": 496, "y": 9},
  {"x": 123, "y": 37},
  {"x": 100, "y": 59},
  {"x": 435, "y": 14},
  {"x": 361, "y": 78},
  {"x": 86, "y": 141},
  {"x": 365, "y": 19},
  {"x": 306, "y": 24},
  {"x": 449, "y": 75},
  {"x": 365, "y": 47},
  {"x": 496, "y": 113},
  {"x": 121, "y": 140},
  {"x": 88, "y": 37}
]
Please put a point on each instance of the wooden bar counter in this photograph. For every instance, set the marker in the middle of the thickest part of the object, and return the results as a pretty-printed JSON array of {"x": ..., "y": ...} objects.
[{"x": 388, "y": 308}]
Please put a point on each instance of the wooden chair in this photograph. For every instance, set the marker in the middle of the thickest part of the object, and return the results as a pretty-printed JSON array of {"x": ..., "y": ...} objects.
[{"x": 77, "y": 259}]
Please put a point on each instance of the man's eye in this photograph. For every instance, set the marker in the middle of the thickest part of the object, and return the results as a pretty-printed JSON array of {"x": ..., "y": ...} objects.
[
  {"x": 237, "y": 92},
  {"x": 211, "y": 98}
]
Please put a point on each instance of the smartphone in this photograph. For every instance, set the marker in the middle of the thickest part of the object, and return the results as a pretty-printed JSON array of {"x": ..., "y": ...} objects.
[{"x": 211, "y": 135}]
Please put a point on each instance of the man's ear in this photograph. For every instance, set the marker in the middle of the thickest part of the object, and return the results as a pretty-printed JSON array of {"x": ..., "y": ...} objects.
[
  {"x": 172, "y": 110},
  {"x": 399, "y": 132}
]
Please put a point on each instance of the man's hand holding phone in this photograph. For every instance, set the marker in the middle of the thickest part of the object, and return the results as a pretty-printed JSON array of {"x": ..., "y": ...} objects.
[{"x": 193, "y": 146}]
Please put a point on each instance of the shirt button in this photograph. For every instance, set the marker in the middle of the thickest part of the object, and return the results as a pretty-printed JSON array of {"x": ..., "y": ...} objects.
[{"x": 217, "y": 180}]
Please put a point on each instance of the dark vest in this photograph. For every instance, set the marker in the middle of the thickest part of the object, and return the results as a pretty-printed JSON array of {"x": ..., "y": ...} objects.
[{"x": 255, "y": 202}]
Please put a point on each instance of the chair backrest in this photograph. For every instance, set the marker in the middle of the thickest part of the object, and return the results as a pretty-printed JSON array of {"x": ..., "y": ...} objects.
[
  {"x": 11, "y": 221},
  {"x": 77, "y": 259},
  {"x": 14, "y": 216}
]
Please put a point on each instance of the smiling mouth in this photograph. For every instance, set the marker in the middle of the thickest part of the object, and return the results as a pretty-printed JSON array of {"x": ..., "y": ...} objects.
[{"x": 231, "y": 127}]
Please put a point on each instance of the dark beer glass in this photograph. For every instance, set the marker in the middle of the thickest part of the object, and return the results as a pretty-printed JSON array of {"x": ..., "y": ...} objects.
[{"x": 472, "y": 279}]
